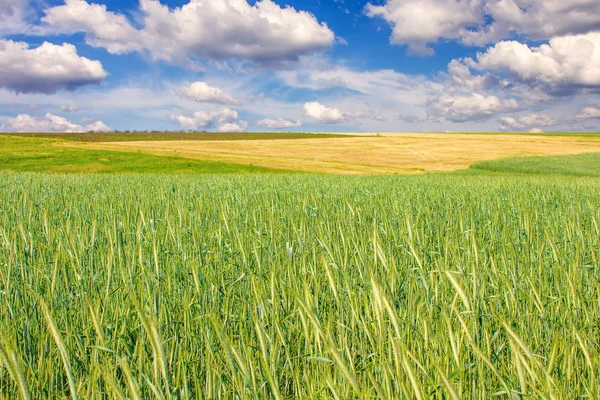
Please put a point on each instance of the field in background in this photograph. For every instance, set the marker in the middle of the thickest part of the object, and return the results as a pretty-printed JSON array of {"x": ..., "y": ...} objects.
[
  {"x": 442, "y": 286},
  {"x": 587, "y": 164},
  {"x": 32, "y": 154},
  {"x": 165, "y": 136},
  {"x": 253, "y": 153},
  {"x": 385, "y": 154}
]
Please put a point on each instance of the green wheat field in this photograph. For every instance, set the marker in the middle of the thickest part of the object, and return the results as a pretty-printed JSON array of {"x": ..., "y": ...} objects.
[{"x": 474, "y": 284}]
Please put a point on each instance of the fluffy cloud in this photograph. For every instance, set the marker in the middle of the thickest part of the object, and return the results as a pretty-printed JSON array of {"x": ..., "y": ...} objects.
[
  {"x": 225, "y": 119},
  {"x": 462, "y": 77},
  {"x": 572, "y": 60},
  {"x": 49, "y": 123},
  {"x": 203, "y": 93},
  {"x": 535, "y": 19},
  {"x": 103, "y": 28},
  {"x": 531, "y": 122},
  {"x": 45, "y": 69},
  {"x": 263, "y": 32},
  {"x": 232, "y": 127},
  {"x": 476, "y": 107},
  {"x": 97, "y": 126},
  {"x": 589, "y": 113},
  {"x": 324, "y": 114},
  {"x": 417, "y": 23},
  {"x": 278, "y": 123}
]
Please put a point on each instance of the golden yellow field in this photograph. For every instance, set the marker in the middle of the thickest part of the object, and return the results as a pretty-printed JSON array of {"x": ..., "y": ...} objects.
[{"x": 403, "y": 153}]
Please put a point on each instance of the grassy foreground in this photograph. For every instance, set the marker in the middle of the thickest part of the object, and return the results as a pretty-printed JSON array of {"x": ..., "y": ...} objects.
[{"x": 441, "y": 286}]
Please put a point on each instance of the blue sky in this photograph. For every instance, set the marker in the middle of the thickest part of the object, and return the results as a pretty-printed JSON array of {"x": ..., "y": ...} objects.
[{"x": 310, "y": 65}]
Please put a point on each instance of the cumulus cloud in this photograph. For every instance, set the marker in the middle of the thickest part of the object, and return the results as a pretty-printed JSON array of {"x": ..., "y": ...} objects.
[
  {"x": 476, "y": 107},
  {"x": 103, "y": 28},
  {"x": 204, "y": 93},
  {"x": 535, "y": 19},
  {"x": 45, "y": 69},
  {"x": 531, "y": 122},
  {"x": 232, "y": 127},
  {"x": 462, "y": 77},
  {"x": 572, "y": 60},
  {"x": 263, "y": 32},
  {"x": 324, "y": 114},
  {"x": 418, "y": 23},
  {"x": 97, "y": 126},
  {"x": 278, "y": 123},
  {"x": 49, "y": 123},
  {"x": 589, "y": 113},
  {"x": 225, "y": 120}
]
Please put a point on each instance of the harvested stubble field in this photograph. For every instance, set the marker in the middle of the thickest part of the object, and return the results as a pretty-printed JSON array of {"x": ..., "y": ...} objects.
[
  {"x": 452, "y": 286},
  {"x": 383, "y": 154}
]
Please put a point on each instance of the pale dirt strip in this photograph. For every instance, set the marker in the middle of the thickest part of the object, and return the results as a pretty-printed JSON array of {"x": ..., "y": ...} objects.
[{"x": 401, "y": 153}]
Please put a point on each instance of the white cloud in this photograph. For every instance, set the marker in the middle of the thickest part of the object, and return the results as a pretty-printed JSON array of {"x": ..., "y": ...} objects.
[
  {"x": 225, "y": 119},
  {"x": 565, "y": 61},
  {"x": 103, "y": 28},
  {"x": 49, "y": 123},
  {"x": 201, "y": 29},
  {"x": 589, "y": 113},
  {"x": 531, "y": 122},
  {"x": 417, "y": 23},
  {"x": 232, "y": 127},
  {"x": 323, "y": 114},
  {"x": 461, "y": 77},
  {"x": 476, "y": 107},
  {"x": 97, "y": 126},
  {"x": 278, "y": 123},
  {"x": 535, "y": 19},
  {"x": 203, "y": 93},
  {"x": 45, "y": 69}
]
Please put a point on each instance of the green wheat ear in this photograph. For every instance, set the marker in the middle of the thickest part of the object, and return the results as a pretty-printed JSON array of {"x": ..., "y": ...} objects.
[{"x": 61, "y": 348}]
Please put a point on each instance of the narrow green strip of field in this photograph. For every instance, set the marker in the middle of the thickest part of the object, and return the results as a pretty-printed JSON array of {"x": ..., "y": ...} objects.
[
  {"x": 28, "y": 154},
  {"x": 167, "y": 136},
  {"x": 587, "y": 164}
]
